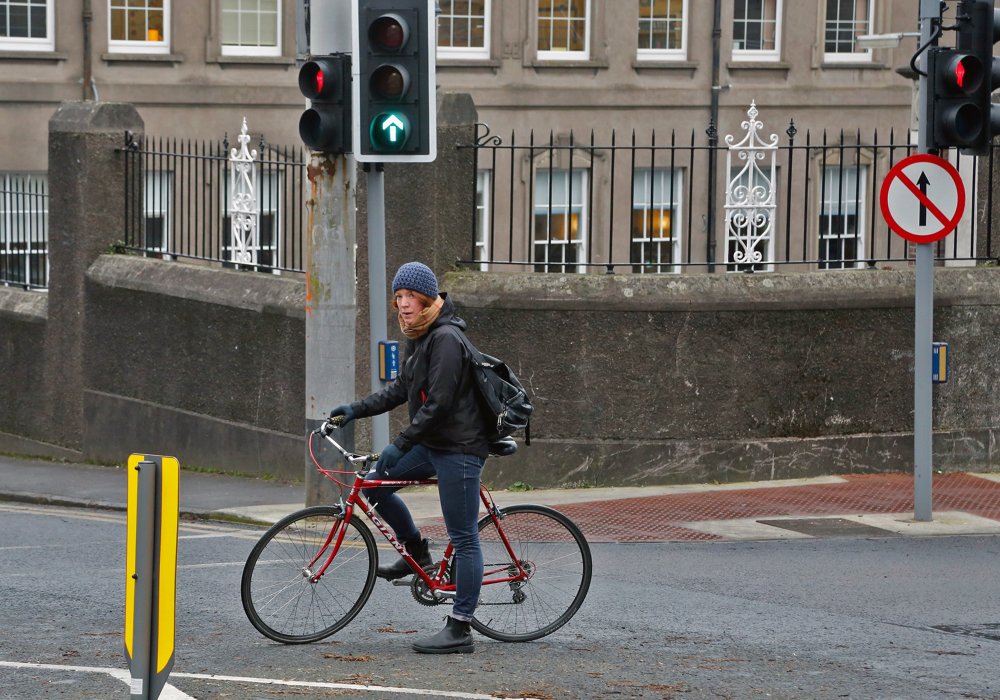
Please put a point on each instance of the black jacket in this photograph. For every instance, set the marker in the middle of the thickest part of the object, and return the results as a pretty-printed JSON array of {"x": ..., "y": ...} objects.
[{"x": 437, "y": 384}]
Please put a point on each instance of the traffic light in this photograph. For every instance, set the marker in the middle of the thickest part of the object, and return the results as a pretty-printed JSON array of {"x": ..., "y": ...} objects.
[
  {"x": 326, "y": 125},
  {"x": 395, "y": 116},
  {"x": 978, "y": 31},
  {"x": 954, "y": 113}
]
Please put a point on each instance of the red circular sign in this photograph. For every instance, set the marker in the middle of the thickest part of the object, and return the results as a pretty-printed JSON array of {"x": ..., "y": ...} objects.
[{"x": 922, "y": 198}]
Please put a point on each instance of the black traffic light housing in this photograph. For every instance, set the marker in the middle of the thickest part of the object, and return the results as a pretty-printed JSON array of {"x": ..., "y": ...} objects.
[
  {"x": 395, "y": 116},
  {"x": 326, "y": 81},
  {"x": 978, "y": 31},
  {"x": 961, "y": 81},
  {"x": 954, "y": 113}
]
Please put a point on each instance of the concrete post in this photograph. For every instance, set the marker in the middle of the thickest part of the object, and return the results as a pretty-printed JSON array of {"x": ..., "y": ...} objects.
[{"x": 86, "y": 217}]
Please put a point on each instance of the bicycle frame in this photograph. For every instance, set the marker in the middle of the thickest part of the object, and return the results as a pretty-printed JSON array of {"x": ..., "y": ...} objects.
[{"x": 436, "y": 584}]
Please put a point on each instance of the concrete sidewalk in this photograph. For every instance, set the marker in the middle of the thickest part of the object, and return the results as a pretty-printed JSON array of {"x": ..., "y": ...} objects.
[{"x": 851, "y": 505}]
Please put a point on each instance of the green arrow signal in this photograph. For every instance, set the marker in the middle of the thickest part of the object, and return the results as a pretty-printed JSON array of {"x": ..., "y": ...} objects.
[{"x": 389, "y": 131}]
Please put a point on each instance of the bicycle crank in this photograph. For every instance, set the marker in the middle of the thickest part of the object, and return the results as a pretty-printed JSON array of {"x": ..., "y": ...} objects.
[{"x": 424, "y": 595}]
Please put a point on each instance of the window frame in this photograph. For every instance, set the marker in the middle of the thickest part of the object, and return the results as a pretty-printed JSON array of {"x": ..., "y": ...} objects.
[
  {"x": 24, "y": 196},
  {"x": 466, "y": 53},
  {"x": 251, "y": 50},
  {"x": 140, "y": 47},
  {"x": 841, "y": 185},
  {"x": 856, "y": 56},
  {"x": 761, "y": 54},
  {"x": 569, "y": 191},
  {"x": 34, "y": 44},
  {"x": 667, "y": 54},
  {"x": 481, "y": 244},
  {"x": 563, "y": 56},
  {"x": 669, "y": 184}
]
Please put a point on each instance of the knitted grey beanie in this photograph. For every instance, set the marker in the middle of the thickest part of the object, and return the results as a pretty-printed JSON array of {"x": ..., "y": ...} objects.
[{"x": 416, "y": 277}]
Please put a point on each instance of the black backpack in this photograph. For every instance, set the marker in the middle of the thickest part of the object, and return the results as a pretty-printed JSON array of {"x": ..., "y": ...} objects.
[{"x": 504, "y": 400}]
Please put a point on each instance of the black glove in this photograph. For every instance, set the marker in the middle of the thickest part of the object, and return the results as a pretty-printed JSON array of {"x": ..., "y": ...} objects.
[
  {"x": 388, "y": 458},
  {"x": 345, "y": 411}
]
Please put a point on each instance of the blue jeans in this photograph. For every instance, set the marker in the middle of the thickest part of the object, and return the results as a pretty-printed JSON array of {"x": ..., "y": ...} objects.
[{"x": 458, "y": 488}]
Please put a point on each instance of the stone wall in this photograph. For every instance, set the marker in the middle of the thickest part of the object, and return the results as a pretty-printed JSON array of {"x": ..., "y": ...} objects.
[{"x": 692, "y": 378}]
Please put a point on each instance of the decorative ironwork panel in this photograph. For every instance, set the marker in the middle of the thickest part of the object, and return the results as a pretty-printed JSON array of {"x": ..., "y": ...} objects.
[
  {"x": 243, "y": 195},
  {"x": 751, "y": 200}
]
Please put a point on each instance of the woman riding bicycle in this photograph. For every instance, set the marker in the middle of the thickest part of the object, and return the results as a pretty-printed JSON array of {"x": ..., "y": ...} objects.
[{"x": 446, "y": 437}]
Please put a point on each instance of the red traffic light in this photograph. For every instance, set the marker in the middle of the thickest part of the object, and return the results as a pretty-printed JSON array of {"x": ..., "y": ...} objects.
[
  {"x": 318, "y": 79},
  {"x": 388, "y": 33},
  {"x": 964, "y": 72}
]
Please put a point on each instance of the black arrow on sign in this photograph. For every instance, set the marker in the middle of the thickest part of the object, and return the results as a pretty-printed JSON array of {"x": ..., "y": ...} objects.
[{"x": 922, "y": 184}]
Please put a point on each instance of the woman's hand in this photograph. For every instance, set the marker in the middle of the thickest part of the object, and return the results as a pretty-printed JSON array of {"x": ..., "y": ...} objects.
[
  {"x": 345, "y": 411},
  {"x": 388, "y": 458}
]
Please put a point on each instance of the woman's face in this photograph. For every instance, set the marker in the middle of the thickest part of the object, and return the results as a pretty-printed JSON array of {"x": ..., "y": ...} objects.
[{"x": 409, "y": 305}]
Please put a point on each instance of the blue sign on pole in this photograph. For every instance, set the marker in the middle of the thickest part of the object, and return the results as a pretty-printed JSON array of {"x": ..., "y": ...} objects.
[
  {"x": 939, "y": 363},
  {"x": 388, "y": 360}
]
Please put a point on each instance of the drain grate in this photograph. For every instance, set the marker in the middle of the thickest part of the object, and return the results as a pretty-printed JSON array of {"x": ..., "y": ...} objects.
[
  {"x": 829, "y": 527},
  {"x": 986, "y": 631}
]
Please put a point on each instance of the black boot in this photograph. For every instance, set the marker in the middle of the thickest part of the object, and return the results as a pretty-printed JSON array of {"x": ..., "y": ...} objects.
[
  {"x": 419, "y": 550},
  {"x": 455, "y": 638}
]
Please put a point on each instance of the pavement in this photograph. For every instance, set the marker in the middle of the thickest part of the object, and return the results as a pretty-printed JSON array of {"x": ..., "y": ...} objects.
[{"x": 850, "y": 505}]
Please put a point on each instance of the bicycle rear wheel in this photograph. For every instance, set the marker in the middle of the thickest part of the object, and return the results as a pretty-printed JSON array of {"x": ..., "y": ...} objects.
[
  {"x": 280, "y": 597},
  {"x": 551, "y": 548}
]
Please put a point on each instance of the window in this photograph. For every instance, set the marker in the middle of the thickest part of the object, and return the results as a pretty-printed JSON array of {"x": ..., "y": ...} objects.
[
  {"x": 846, "y": 20},
  {"x": 24, "y": 229},
  {"x": 560, "y": 221},
  {"x": 483, "y": 191},
  {"x": 27, "y": 25},
  {"x": 139, "y": 26},
  {"x": 251, "y": 28},
  {"x": 841, "y": 225},
  {"x": 563, "y": 31},
  {"x": 757, "y": 30},
  {"x": 662, "y": 29},
  {"x": 464, "y": 29},
  {"x": 656, "y": 220},
  {"x": 156, "y": 200}
]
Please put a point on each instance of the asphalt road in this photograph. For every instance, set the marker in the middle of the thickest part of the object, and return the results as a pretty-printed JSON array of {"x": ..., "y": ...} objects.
[{"x": 832, "y": 618}]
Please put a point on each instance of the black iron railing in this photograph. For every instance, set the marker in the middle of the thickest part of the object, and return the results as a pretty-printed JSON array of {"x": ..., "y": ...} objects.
[
  {"x": 560, "y": 204},
  {"x": 178, "y": 202},
  {"x": 24, "y": 231}
]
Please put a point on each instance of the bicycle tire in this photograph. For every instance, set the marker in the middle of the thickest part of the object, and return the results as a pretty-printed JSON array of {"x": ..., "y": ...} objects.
[
  {"x": 557, "y": 555},
  {"x": 278, "y": 596}
]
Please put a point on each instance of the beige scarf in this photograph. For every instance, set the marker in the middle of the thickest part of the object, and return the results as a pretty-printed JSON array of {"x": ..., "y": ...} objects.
[{"x": 422, "y": 323}]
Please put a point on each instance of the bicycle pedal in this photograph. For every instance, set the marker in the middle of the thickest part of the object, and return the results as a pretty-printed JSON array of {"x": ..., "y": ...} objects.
[{"x": 405, "y": 581}]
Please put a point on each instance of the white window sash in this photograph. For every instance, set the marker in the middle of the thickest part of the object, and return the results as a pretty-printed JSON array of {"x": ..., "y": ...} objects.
[
  {"x": 764, "y": 54},
  {"x": 855, "y": 56},
  {"x": 150, "y": 47},
  {"x": 679, "y": 54},
  {"x": 469, "y": 52},
  {"x": 558, "y": 55},
  {"x": 48, "y": 43},
  {"x": 254, "y": 49}
]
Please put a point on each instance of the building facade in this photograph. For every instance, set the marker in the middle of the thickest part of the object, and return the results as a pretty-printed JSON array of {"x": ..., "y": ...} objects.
[{"x": 540, "y": 72}]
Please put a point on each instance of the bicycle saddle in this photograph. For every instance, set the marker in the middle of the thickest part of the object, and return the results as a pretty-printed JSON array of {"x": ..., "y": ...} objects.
[{"x": 503, "y": 447}]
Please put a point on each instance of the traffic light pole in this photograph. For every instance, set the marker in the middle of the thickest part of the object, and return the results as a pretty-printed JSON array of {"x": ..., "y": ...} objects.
[
  {"x": 923, "y": 327},
  {"x": 377, "y": 306},
  {"x": 331, "y": 270}
]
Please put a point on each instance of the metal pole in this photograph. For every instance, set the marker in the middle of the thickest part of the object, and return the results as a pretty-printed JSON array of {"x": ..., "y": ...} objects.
[
  {"x": 923, "y": 327},
  {"x": 377, "y": 306},
  {"x": 331, "y": 269},
  {"x": 142, "y": 611}
]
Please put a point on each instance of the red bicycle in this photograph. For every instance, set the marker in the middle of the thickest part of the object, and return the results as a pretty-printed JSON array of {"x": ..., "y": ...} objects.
[{"x": 313, "y": 571}]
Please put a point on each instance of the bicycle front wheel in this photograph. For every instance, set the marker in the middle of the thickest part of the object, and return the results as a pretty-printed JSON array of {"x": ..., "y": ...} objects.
[
  {"x": 282, "y": 596},
  {"x": 556, "y": 557}
]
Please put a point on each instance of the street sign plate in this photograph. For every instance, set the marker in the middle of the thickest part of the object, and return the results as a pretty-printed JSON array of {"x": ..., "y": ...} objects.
[{"x": 922, "y": 198}]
